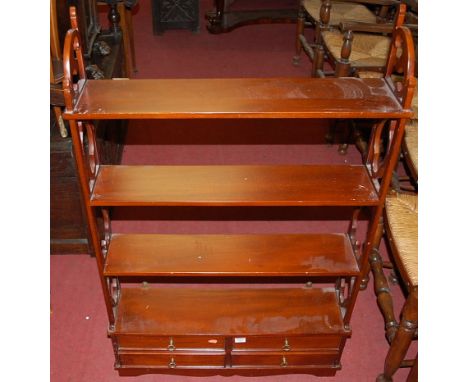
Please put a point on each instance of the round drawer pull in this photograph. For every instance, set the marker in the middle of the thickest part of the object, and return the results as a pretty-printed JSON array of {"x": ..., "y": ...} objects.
[
  {"x": 171, "y": 346},
  {"x": 284, "y": 363},
  {"x": 286, "y": 346},
  {"x": 172, "y": 364}
]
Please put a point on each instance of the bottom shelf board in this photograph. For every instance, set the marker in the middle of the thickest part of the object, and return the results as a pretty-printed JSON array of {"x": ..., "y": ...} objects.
[{"x": 201, "y": 310}]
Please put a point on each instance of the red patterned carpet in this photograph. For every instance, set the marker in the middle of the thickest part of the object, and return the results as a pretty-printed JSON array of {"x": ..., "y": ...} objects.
[{"x": 80, "y": 349}]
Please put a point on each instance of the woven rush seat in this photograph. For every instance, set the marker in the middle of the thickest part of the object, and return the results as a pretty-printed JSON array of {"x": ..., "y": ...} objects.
[
  {"x": 367, "y": 49},
  {"x": 369, "y": 74},
  {"x": 411, "y": 142},
  {"x": 340, "y": 11},
  {"x": 402, "y": 224}
]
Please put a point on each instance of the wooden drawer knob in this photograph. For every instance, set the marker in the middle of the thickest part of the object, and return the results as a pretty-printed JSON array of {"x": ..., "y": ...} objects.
[
  {"x": 171, "y": 346},
  {"x": 284, "y": 362},
  {"x": 172, "y": 364}
]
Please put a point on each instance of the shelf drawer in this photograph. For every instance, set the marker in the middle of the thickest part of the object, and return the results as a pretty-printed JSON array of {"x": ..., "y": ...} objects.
[
  {"x": 283, "y": 360},
  {"x": 171, "y": 344},
  {"x": 171, "y": 360},
  {"x": 287, "y": 344}
]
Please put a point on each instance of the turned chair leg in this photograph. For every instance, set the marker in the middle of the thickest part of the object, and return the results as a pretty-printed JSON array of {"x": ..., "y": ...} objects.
[
  {"x": 354, "y": 135},
  {"x": 413, "y": 375},
  {"x": 299, "y": 32},
  {"x": 384, "y": 297},
  {"x": 359, "y": 140},
  {"x": 329, "y": 137},
  {"x": 403, "y": 337},
  {"x": 317, "y": 64}
]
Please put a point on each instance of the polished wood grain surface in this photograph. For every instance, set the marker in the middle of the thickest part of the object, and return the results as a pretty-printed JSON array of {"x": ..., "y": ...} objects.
[
  {"x": 228, "y": 311},
  {"x": 256, "y": 185},
  {"x": 177, "y": 361},
  {"x": 237, "y": 98},
  {"x": 230, "y": 255}
]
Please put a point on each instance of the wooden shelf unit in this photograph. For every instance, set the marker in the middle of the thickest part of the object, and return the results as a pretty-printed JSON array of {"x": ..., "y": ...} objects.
[{"x": 227, "y": 323}]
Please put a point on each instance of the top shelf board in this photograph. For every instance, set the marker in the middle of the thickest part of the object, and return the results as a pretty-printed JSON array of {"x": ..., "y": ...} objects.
[{"x": 237, "y": 99}]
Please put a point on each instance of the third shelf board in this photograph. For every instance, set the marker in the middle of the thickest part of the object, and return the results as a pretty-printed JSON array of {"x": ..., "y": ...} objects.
[{"x": 231, "y": 255}]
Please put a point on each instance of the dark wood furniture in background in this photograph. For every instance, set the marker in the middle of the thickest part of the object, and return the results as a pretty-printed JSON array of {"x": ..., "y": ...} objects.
[
  {"x": 175, "y": 14},
  {"x": 224, "y": 19},
  {"x": 68, "y": 226},
  {"x": 301, "y": 323},
  {"x": 121, "y": 22}
]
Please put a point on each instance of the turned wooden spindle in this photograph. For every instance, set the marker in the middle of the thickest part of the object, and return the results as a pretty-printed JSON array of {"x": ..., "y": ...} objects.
[
  {"x": 317, "y": 64},
  {"x": 325, "y": 11},
  {"x": 114, "y": 17},
  {"x": 299, "y": 31},
  {"x": 383, "y": 12},
  {"x": 343, "y": 65},
  {"x": 403, "y": 337},
  {"x": 384, "y": 297}
]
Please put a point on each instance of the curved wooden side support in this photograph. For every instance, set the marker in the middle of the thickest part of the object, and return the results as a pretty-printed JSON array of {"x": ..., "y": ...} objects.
[
  {"x": 352, "y": 228},
  {"x": 114, "y": 290},
  {"x": 73, "y": 63},
  {"x": 401, "y": 59},
  {"x": 107, "y": 232},
  {"x": 381, "y": 140},
  {"x": 344, "y": 287},
  {"x": 89, "y": 150}
]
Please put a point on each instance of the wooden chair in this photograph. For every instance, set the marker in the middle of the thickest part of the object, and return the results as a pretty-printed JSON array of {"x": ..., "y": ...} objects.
[
  {"x": 367, "y": 55},
  {"x": 357, "y": 47},
  {"x": 401, "y": 228},
  {"x": 327, "y": 15},
  {"x": 400, "y": 224}
]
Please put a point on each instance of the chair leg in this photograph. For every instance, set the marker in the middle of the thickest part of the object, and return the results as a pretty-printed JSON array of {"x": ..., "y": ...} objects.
[
  {"x": 330, "y": 136},
  {"x": 403, "y": 337},
  {"x": 359, "y": 140},
  {"x": 384, "y": 297},
  {"x": 299, "y": 32},
  {"x": 413, "y": 375},
  {"x": 343, "y": 148},
  {"x": 354, "y": 135},
  {"x": 317, "y": 64}
]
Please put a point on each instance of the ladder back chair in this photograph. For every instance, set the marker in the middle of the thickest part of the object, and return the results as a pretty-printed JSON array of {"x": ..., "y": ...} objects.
[{"x": 327, "y": 15}]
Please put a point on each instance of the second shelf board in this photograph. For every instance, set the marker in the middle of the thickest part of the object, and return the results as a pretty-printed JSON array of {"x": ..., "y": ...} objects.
[
  {"x": 230, "y": 255},
  {"x": 253, "y": 185}
]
